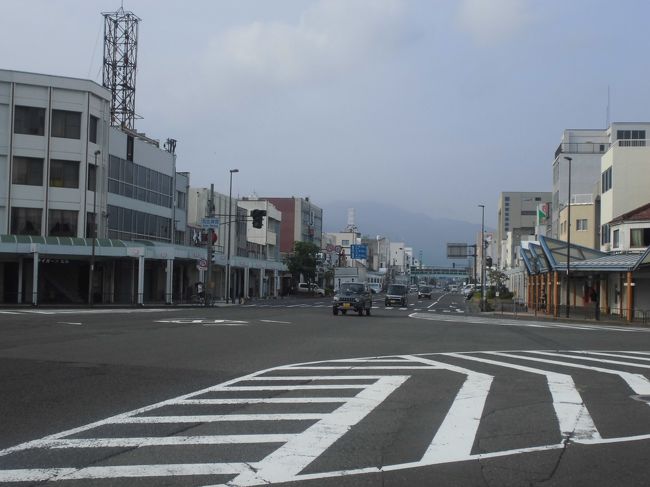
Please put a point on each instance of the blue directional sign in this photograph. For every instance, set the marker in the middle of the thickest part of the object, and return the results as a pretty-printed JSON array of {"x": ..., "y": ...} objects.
[
  {"x": 210, "y": 222},
  {"x": 359, "y": 251}
]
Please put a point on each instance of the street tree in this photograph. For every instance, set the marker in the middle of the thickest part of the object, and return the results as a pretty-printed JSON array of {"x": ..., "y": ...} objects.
[{"x": 302, "y": 261}]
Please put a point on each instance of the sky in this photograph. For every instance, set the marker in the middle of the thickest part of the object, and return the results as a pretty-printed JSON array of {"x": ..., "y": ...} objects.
[{"x": 428, "y": 105}]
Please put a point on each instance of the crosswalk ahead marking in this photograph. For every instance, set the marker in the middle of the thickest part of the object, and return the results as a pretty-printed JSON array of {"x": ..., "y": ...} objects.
[{"x": 353, "y": 388}]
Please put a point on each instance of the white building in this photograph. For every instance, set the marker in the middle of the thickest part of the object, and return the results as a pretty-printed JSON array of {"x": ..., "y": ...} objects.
[{"x": 63, "y": 170}]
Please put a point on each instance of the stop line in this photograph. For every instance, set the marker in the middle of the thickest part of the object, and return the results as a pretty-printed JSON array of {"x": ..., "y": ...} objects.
[{"x": 288, "y": 419}]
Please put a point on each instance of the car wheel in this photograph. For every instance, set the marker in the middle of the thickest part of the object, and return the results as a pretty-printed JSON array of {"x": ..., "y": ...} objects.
[
  {"x": 335, "y": 311},
  {"x": 344, "y": 311}
]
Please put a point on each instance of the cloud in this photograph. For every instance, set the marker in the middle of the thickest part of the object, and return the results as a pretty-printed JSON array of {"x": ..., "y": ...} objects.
[
  {"x": 327, "y": 39},
  {"x": 493, "y": 21}
]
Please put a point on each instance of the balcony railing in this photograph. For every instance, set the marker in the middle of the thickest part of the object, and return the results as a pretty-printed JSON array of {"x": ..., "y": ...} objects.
[
  {"x": 582, "y": 199},
  {"x": 582, "y": 148}
]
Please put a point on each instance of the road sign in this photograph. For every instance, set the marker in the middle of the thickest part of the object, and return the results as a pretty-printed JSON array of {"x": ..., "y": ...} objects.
[
  {"x": 337, "y": 249},
  {"x": 457, "y": 251},
  {"x": 211, "y": 222},
  {"x": 359, "y": 251},
  {"x": 202, "y": 264}
]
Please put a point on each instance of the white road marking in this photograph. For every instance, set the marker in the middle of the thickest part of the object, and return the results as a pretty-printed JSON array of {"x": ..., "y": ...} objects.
[
  {"x": 572, "y": 414},
  {"x": 601, "y": 360},
  {"x": 274, "y": 321},
  {"x": 615, "y": 355},
  {"x": 361, "y": 367},
  {"x": 9, "y": 313},
  {"x": 265, "y": 400},
  {"x": 455, "y": 436},
  {"x": 203, "y": 321},
  {"x": 69, "y": 323},
  {"x": 216, "y": 418},
  {"x": 285, "y": 463}
]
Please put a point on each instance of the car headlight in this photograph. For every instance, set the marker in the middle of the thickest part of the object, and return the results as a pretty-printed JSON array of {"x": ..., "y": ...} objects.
[{"x": 336, "y": 298}]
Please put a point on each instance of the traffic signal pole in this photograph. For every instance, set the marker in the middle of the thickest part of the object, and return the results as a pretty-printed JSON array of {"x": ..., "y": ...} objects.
[{"x": 208, "y": 283}]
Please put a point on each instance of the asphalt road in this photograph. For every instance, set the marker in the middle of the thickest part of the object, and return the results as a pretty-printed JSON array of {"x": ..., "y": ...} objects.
[{"x": 284, "y": 393}]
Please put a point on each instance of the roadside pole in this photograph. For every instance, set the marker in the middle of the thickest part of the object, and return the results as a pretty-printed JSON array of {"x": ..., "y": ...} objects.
[{"x": 209, "y": 284}]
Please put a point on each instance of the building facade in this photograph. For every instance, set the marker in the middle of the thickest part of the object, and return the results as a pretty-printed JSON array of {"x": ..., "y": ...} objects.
[{"x": 302, "y": 221}]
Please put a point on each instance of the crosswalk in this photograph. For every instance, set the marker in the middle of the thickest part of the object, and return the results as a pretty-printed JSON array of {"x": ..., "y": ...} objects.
[
  {"x": 291, "y": 423},
  {"x": 83, "y": 311}
]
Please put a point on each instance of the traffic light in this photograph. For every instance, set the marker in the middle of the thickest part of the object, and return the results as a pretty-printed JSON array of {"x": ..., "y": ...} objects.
[
  {"x": 258, "y": 217},
  {"x": 488, "y": 261}
]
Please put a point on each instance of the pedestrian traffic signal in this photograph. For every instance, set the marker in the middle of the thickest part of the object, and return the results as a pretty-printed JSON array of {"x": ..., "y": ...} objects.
[
  {"x": 258, "y": 218},
  {"x": 488, "y": 261}
]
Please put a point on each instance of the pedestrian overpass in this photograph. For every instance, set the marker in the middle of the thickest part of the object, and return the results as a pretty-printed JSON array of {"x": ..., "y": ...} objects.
[{"x": 424, "y": 273}]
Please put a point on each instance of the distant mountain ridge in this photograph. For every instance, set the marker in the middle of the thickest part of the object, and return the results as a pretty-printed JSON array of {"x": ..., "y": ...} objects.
[{"x": 417, "y": 230}]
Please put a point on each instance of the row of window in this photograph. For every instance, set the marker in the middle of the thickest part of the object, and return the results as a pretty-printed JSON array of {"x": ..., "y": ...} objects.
[
  {"x": 606, "y": 179},
  {"x": 65, "y": 124},
  {"x": 28, "y": 221},
  {"x": 138, "y": 182},
  {"x": 63, "y": 174},
  {"x": 128, "y": 224}
]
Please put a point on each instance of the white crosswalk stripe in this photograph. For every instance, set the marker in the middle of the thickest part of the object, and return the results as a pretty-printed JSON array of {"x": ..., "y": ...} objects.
[{"x": 345, "y": 392}]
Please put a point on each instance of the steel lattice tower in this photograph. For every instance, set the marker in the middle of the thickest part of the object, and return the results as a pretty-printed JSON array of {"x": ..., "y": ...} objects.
[{"x": 120, "y": 63}]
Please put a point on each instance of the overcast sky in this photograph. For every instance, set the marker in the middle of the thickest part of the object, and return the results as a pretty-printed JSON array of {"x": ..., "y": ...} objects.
[{"x": 432, "y": 105}]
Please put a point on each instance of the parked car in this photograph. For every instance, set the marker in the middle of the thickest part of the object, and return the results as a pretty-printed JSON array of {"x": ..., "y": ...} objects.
[
  {"x": 353, "y": 296},
  {"x": 425, "y": 292},
  {"x": 304, "y": 288},
  {"x": 375, "y": 287},
  {"x": 397, "y": 294}
]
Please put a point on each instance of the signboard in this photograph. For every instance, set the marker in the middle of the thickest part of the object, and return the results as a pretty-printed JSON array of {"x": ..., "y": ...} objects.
[
  {"x": 543, "y": 211},
  {"x": 202, "y": 264},
  {"x": 211, "y": 222},
  {"x": 458, "y": 251},
  {"x": 359, "y": 251}
]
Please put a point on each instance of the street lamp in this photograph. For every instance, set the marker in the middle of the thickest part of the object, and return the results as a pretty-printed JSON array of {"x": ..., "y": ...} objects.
[
  {"x": 482, "y": 257},
  {"x": 568, "y": 241},
  {"x": 94, "y": 235},
  {"x": 229, "y": 232}
]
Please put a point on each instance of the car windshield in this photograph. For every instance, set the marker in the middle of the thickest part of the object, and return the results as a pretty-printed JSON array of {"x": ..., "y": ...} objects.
[
  {"x": 425, "y": 289},
  {"x": 351, "y": 288},
  {"x": 396, "y": 289}
]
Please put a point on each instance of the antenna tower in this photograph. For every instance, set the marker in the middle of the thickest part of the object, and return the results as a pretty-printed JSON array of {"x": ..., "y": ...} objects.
[{"x": 120, "y": 65}]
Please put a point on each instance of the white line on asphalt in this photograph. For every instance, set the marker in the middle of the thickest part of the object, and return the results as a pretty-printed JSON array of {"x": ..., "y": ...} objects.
[
  {"x": 601, "y": 360},
  {"x": 274, "y": 321},
  {"x": 362, "y": 367},
  {"x": 572, "y": 414},
  {"x": 134, "y": 442},
  {"x": 216, "y": 418},
  {"x": 455, "y": 436},
  {"x": 69, "y": 323},
  {"x": 289, "y": 388},
  {"x": 316, "y": 377},
  {"x": 637, "y": 382},
  {"x": 616, "y": 355},
  {"x": 285, "y": 463},
  {"x": 9, "y": 313},
  {"x": 264, "y": 400}
]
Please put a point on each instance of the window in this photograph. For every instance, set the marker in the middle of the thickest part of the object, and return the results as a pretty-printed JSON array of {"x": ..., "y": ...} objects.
[
  {"x": 606, "y": 180},
  {"x": 538, "y": 198},
  {"x": 615, "y": 239},
  {"x": 90, "y": 225},
  {"x": 129, "y": 148},
  {"x": 345, "y": 242},
  {"x": 64, "y": 174},
  {"x": 92, "y": 129},
  {"x": 134, "y": 181},
  {"x": 92, "y": 177},
  {"x": 507, "y": 198},
  {"x": 66, "y": 124},
  {"x": 640, "y": 237},
  {"x": 180, "y": 199},
  {"x": 28, "y": 171},
  {"x": 604, "y": 234},
  {"x": 581, "y": 224},
  {"x": 125, "y": 223},
  {"x": 26, "y": 221},
  {"x": 631, "y": 138},
  {"x": 528, "y": 212},
  {"x": 29, "y": 120},
  {"x": 62, "y": 223}
]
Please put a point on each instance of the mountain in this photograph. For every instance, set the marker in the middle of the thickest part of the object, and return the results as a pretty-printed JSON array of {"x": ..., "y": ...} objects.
[{"x": 417, "y": 230}]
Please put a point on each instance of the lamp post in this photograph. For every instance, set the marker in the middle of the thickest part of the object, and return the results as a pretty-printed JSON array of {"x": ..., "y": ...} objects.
[
  {"x": 229, "y": 232},
  {"x": 94, "y": 236},
  {"x": 482, "y": 257},
  {"x": 568, "y": 241}
]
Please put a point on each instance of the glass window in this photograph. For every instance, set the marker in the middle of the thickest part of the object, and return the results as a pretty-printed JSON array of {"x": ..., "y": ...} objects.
[
  {"x": 615, "y": 238},
  {"x": 92, "y": 177},
  {"x": 26, "y": 221},
  {"x": 640, "y": 237},
  {"x": 345, "y": 242},
  {"x": 66, "y": 124},
  {"x": 129, "y": 148},
  {"x": 64, "y": 174},
  {"x": 28, "y": 171},
  {"x": 581, "y": 224},
  {"x": 92, "y": 129},
  {"x": 90, "y": 225},
  {"x": 29, "y": 120},
  {"x": 62, "y": 223}
]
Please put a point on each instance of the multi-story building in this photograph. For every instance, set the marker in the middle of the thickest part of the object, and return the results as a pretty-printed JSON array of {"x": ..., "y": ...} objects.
[
  {"x": 517, "y": 213},
  {"x": 67, "y": 176},
  {"x": 624, "y": 177},
  {"x": 255, "y": 263},
  {"x": 302, "y": 221}
]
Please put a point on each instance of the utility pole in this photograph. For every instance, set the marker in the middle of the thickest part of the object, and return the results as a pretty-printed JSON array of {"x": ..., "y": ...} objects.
[
  {"x": 229, "y": 232},
  {"x": 483, "y": 297},
  {"x": 568, "y": 243},
  {"x": 209, "y": 284},
  {"x": 91, "y": 275}
]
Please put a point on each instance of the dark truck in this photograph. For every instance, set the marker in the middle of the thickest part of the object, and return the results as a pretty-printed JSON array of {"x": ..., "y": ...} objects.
[
  {"x": 353, "y": 296},
  {"x": 397, "y": 294}
]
